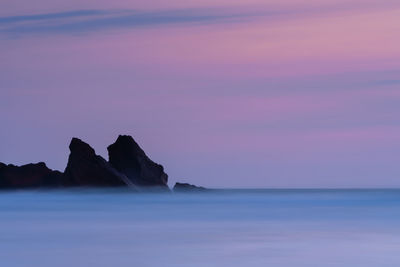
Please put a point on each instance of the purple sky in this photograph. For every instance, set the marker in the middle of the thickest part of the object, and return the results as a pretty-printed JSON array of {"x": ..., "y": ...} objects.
[{"x": 223, "y": 93}]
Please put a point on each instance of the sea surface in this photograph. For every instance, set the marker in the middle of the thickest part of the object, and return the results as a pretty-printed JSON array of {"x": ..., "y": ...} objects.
[{"x": 113, "y": 228}]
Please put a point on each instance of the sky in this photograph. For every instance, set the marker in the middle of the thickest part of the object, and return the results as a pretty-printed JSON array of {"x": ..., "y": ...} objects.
[{"x": 251, "y": 94}]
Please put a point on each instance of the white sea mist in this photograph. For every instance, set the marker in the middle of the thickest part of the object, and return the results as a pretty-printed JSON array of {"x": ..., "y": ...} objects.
[{"x": 218, "y": 228}]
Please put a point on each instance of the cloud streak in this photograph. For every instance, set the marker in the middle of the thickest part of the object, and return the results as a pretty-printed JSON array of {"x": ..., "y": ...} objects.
[
  {"x": 91, "y": 20},
  {"x": 85, "y": 21},
  {"x": 49, "y": 16}
]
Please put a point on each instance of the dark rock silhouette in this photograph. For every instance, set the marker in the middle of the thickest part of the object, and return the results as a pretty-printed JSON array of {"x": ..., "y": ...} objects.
[
  {"x": 128, "y": 166},
  {"x": 127, "y": 157},
  {"x": 185, "y": 187},
  {"x": 28, "y": 176},
  {"x": 85, "y": 168}
]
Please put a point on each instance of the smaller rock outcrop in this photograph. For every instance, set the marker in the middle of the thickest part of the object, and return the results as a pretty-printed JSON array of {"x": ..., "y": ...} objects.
[
  {"x": 185, "y": 187},
  {"x": 85, "y": 168},
  {"x": 127, "y": 157},
  {"x": 28, "y": 176}
]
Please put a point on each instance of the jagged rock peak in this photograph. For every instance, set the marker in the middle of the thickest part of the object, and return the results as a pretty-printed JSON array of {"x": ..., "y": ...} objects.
[
  {"x": 85, "y": 168},
  {"x": 126, "y": 156},
  {"x": 78, "y": 146}
]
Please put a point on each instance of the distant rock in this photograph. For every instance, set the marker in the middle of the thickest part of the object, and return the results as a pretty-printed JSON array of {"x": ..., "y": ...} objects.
[
  {"x": 28, "y": 176},
  {"x": 127, "y": 157},
  {"x": 185, "y": 187},
  {"x": 85, "y": 168}
]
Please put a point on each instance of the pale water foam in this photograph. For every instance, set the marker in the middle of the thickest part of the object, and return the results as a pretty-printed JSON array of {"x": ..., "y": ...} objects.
[{"x": 222, "y": 228}]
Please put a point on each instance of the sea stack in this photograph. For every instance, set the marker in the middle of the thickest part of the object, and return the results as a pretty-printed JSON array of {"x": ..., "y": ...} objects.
[
  {"x": 85, "y": 168},
  {"x": 126, "y": 156}
]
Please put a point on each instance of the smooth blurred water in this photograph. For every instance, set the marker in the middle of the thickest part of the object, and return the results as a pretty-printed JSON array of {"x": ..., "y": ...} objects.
[{"x": 221, "y": 228}]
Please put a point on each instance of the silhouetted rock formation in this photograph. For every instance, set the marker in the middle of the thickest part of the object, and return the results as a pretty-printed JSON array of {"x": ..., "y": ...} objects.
[
  {"x": 184, "y": 187},
  {"x": 85, "y": 168},
  {"x": 28, "y": 176},
  {"x": 128, "y": 166},
  {"x": 127, "y": 157}
]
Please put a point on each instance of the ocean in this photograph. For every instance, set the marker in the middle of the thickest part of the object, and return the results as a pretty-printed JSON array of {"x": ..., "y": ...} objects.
[{"x": 232, "y": 228}]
